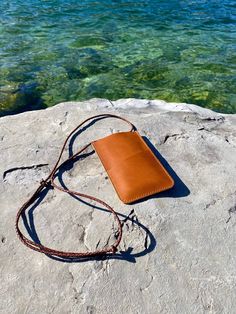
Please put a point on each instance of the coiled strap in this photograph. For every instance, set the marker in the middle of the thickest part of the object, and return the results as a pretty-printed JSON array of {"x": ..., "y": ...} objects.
[{"x": 49, "y": 182}]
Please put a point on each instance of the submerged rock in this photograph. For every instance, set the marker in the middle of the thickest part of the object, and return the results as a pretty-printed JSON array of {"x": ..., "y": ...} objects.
[{"x": 178, "y": 249}]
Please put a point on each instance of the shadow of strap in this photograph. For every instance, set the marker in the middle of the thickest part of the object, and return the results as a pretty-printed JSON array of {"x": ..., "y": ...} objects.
[{"x": 49, "y": 183}]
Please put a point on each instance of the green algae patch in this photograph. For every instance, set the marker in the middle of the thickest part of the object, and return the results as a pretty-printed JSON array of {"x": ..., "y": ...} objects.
[{"x": 77, "y": 51}]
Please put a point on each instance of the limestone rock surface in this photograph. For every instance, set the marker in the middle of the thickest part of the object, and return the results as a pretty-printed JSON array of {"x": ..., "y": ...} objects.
[{"x": 178, "y": 251}]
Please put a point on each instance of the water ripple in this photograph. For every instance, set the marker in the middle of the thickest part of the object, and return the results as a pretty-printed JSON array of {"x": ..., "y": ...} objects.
[{"x": 58, "y": 50}]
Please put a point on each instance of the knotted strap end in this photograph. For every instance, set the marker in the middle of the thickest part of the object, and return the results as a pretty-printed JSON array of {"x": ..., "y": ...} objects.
[
  {"x": 46, "y": 184},
  {"x": 114, "y": 249}
]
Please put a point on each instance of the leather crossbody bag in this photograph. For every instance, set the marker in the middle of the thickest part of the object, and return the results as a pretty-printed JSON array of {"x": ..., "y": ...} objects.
[{"x": 133, "y": 169}]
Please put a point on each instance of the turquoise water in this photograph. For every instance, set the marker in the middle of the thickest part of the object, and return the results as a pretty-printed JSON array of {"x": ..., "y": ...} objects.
[{"x": 59, "y": 50}]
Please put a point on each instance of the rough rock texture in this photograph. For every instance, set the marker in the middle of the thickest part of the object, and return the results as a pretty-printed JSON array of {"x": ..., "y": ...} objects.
[{"x": 178, "y": 253}]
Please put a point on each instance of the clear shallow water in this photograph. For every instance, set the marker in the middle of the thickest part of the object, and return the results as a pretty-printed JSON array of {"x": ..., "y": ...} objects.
[{"x": 58, "y": 50}]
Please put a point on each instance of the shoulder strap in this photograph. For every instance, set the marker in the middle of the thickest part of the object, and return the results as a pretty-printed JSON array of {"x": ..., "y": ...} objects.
[{"x": 49, "y": 182}]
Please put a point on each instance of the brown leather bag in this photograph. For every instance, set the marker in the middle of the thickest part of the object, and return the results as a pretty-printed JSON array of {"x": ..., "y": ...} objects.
[
  {"x": 134, "y": 171},
  {"x": 132, "y": 167}
]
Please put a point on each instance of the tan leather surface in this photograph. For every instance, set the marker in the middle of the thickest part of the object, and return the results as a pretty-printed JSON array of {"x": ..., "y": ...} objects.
[{"x": 132, "y": 167}]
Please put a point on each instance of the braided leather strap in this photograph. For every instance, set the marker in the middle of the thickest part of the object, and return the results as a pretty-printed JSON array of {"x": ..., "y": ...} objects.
[{"x": 49, "y": 181}]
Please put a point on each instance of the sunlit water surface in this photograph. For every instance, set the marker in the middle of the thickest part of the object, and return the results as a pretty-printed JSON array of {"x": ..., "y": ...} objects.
[{"x": 59, "y": 50}]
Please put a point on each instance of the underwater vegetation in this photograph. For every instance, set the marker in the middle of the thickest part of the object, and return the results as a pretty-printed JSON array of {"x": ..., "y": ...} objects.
[{"x": 58, "y": 50}]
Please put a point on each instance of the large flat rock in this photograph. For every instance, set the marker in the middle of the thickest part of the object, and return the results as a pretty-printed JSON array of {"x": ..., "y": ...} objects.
[{"x": 178, "y": 252}]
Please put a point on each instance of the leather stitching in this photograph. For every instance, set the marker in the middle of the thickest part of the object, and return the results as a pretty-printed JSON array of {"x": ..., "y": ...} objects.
[{"x": 139, "y": 196}]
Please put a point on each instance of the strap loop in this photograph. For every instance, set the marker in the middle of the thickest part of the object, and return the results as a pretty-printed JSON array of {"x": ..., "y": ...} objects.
[{"x": 49, "y": 183}]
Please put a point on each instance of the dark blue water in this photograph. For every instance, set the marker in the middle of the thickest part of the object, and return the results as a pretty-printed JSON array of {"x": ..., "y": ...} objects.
[{"x": 58, "y": 50}]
